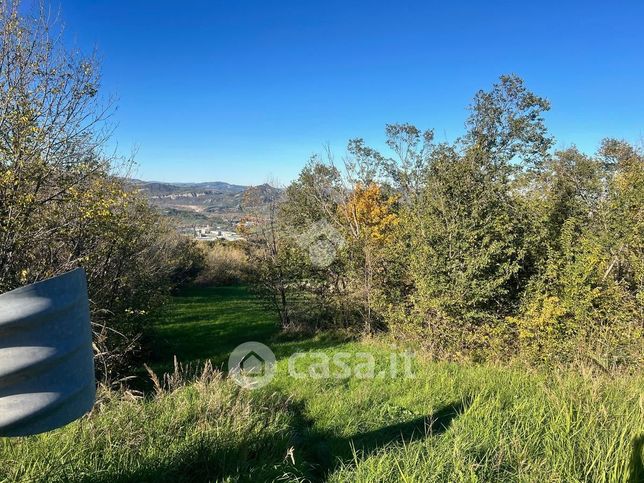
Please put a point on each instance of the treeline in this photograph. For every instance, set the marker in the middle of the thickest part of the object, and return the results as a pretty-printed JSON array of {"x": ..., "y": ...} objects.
[
  {"x": 491, "y": 246},
  {"x": 62, "y": 204}
]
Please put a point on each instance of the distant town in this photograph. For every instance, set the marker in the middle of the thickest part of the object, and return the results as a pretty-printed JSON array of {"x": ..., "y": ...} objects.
[{"x": 210, "y": 233}]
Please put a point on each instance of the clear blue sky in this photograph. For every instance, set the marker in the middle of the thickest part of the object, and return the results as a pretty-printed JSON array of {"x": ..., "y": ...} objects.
[{"x": 241, "y": 90}]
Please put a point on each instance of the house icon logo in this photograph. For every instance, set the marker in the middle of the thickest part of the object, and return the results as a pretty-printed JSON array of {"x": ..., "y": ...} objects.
[
  {"x": 322, "y": 241},
  {"x": 251, "y": 365}
]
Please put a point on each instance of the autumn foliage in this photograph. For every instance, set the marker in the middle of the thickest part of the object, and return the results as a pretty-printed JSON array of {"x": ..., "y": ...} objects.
[
  {"x": 62, "y": 201},
  {"x": 492, "y": 246}
]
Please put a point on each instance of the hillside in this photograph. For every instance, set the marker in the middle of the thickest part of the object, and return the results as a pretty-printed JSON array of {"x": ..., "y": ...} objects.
[{"x": 205, "y": 202}]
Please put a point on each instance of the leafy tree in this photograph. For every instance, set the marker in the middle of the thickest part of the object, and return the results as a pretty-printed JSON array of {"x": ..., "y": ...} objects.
[
  {"x": 369, "y": 220},
  {"x": 587, "y": 291},
  {"x": 506, "y": 123},
  {"x": 61, "y": 203},
  {"x": 467, "y": 229}
]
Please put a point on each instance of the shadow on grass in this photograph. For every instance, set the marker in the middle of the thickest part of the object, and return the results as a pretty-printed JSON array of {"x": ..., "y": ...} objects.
[
  {"x": 207, "y": 323},
  {"x": 318, "y": 454},
  {"x": 637, "y": 464},
  {"x": 261, "y": 459},
  {"x": 325, "y": 452}
]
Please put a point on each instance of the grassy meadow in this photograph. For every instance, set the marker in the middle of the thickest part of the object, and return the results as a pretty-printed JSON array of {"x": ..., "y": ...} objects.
[{"x": 449, "y": 422}]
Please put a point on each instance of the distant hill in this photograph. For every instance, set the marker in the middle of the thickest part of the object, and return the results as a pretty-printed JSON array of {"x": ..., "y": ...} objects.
[
  {"x": 161, "y": 188},
  {"x": 205, "y": 202},
  {"x": 260, "y": 195}
]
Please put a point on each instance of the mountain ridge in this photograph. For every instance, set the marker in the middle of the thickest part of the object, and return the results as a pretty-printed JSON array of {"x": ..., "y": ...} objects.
[
  {"x": 163, "y": 186},
  {"x": 204, "y": 202}
]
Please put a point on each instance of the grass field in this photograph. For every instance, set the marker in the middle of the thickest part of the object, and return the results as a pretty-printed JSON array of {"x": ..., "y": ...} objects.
[{"x": 450, "y": 422}]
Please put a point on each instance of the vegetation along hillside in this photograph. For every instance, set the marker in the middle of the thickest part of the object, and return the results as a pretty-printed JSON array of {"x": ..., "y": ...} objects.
[{"x": 425, "y": 309}]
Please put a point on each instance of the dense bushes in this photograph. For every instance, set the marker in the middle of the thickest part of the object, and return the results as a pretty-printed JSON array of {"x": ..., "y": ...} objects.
[
  {"x": 61, "y": 203},
  {"x": 588, "y": 287},
  {"x": 489, "y": 246},
  {"x": 223, "y": 264}
]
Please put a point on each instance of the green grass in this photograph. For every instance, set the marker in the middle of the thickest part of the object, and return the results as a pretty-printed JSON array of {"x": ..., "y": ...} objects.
[
  {"x": 451, "y": 422},
  {"x": 207, "y": 323}
]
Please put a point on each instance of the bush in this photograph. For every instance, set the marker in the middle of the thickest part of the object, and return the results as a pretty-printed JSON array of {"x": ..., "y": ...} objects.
[
  {"x": 488, "y": 247},
  {"x": 223, "y": 264},
  {"x": 62, "y": 204}
]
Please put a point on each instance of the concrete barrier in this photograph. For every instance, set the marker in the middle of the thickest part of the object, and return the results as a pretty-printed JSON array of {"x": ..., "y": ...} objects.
[{"x": 46, "y": 359}]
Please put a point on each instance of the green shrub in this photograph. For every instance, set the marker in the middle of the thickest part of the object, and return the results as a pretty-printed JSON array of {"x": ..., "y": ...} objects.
[
  {"x": 224, "y": 264},
  {"x": 62, "y": 203}
]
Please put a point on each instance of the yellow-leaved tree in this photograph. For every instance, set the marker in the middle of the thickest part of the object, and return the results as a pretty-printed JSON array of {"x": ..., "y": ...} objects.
[{"x": 370, "y": 219}]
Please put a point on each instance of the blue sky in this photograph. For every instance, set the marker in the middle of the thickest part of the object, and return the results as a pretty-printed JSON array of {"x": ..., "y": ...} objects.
[{"x": 245, "y": 91}]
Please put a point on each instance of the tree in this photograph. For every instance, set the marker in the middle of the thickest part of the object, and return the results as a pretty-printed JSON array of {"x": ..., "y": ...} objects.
[
  {"x": 49, "y": 115},
  {"x": 369, "y": 219},
  {"x": 506, "y": 123},
  {"x": 467, "y": 229},
  {"x": 587, "y": 290},
  {"x": 269, "y": 254},
  {"x": 61, "y": 203}
]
